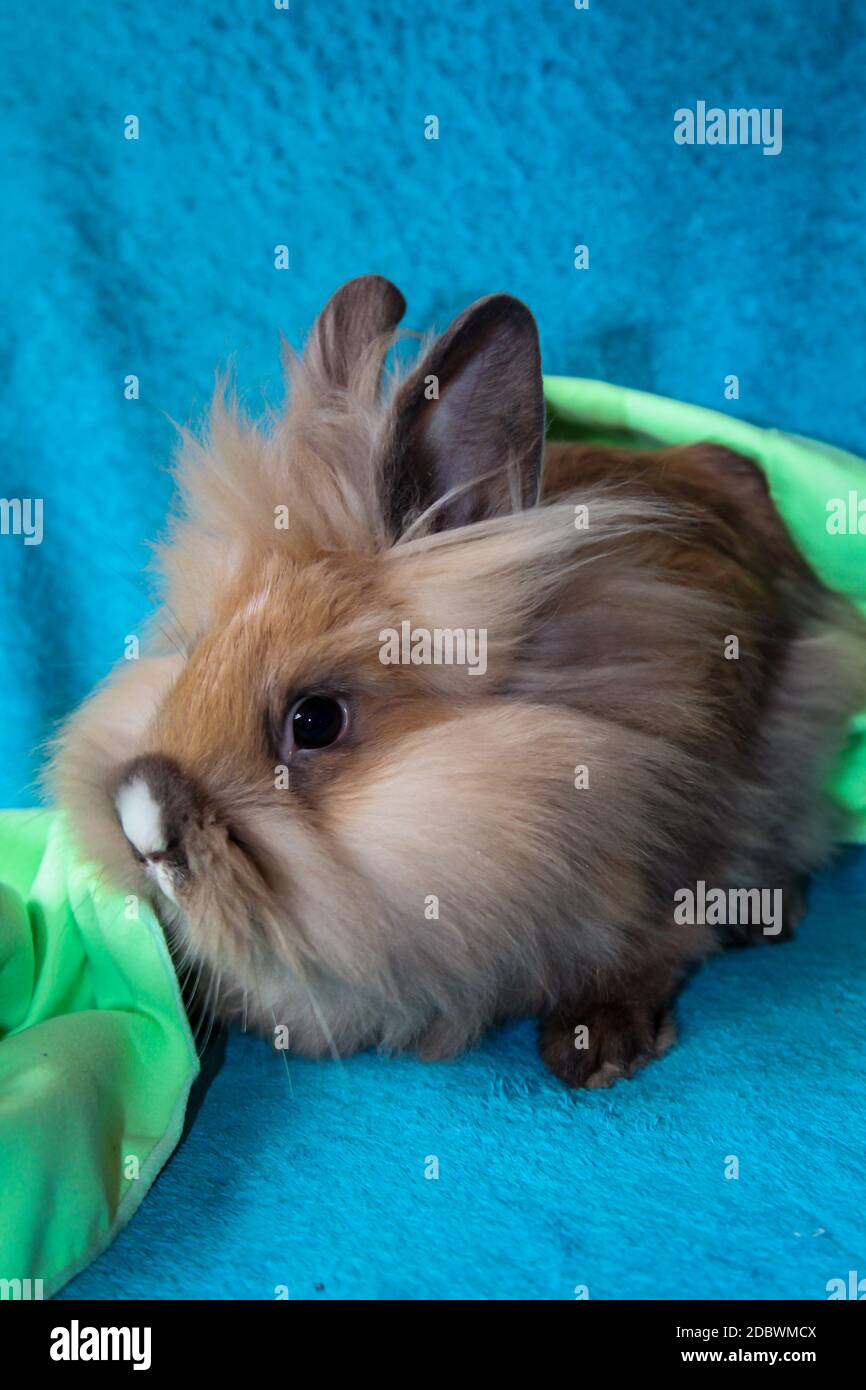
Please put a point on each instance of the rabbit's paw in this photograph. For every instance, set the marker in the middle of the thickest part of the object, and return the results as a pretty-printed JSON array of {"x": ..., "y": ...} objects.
[{"x": 594, "y": 1046}]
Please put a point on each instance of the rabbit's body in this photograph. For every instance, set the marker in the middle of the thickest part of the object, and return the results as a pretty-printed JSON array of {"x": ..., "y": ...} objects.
[{"x": 466, "y": 847}]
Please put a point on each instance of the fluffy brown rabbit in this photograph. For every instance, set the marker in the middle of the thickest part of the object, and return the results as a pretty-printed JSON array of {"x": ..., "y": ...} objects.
[{"x": 402, "y": 854}]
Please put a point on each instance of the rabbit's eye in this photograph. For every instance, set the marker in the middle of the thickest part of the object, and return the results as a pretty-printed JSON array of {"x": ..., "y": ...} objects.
[{"x": 316, "y": 721}]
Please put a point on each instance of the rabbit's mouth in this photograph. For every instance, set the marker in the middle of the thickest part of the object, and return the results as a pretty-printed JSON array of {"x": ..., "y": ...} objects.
[
  {"x": 160, "y": 811},
  {"x": 232, "y": 947},
  {"x": 208, "y": 876}
]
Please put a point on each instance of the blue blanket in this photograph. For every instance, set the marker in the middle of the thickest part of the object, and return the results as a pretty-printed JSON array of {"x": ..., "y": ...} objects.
[{"x": 154, "y": 258}]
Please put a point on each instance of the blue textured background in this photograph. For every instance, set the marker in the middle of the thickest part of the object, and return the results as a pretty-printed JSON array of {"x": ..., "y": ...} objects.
[{"x": 156, "y": 257}]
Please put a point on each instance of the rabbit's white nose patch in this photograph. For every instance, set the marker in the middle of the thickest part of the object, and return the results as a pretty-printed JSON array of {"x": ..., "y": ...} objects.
[{"x": 141, "y": 817}]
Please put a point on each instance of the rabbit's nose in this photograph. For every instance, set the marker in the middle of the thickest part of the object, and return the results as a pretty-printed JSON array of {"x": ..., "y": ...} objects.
[{"x": 155, "y": 803}]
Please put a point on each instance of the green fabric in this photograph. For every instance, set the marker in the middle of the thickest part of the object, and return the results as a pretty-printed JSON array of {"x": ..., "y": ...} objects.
[
  {"x": 96, "y": 1055},
  {"x": 803, "y": 477}
]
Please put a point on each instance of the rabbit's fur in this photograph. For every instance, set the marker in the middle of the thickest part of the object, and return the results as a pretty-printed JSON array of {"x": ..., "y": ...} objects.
[{"x": 476, "y": 847}]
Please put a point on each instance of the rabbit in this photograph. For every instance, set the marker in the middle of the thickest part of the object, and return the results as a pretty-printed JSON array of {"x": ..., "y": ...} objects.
[{"x": 402, "y": 854}]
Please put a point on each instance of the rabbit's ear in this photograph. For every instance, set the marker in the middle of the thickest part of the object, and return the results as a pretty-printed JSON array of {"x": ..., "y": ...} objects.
[
  {"x": 358, "y": 315},
  {"x": 467, "y": 425}
]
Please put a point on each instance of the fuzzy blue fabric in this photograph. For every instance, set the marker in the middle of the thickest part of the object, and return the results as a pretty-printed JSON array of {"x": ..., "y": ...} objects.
[{"x": 304, "y": 126}]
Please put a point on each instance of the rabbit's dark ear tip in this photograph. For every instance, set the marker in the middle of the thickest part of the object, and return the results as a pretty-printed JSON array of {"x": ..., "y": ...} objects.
[
  {"x": 389, "y": 291},
  {"x": 502, "y": 315},
  {"x": 367, "y": 287},
  {"x": 357, "y": 314},
  {"x": 503, "y": 302}
]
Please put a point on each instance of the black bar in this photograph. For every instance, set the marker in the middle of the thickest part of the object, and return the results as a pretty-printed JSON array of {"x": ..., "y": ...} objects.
[{"x": 646, "y": 1336}]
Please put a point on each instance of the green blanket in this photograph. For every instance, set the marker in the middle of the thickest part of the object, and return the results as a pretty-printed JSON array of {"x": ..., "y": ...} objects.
[
  {"x": 96, "y": 1054},
  {"x": 96, "y": 1057}
]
